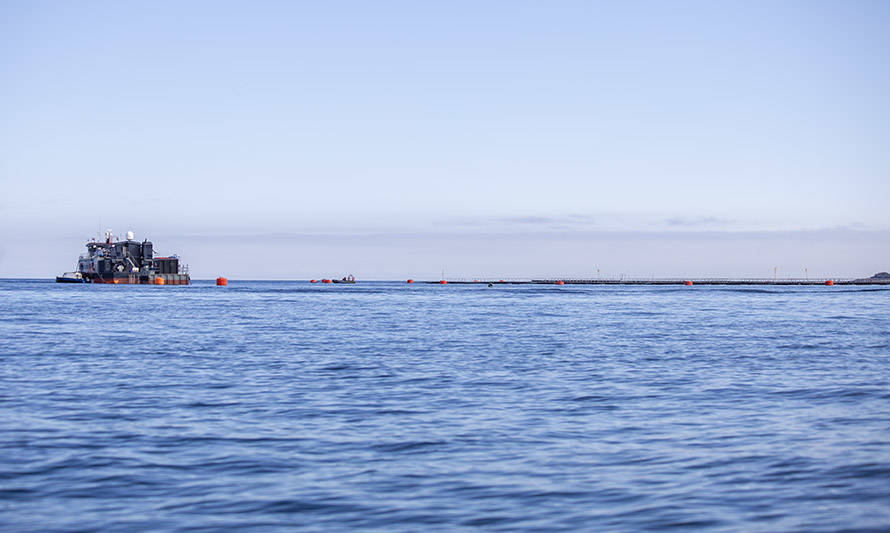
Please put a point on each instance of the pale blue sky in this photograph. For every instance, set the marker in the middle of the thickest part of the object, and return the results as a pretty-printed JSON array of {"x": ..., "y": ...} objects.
[{"x": 384, "y": 138}]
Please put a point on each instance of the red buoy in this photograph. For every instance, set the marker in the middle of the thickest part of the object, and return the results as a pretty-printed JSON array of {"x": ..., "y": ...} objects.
[
  {"x": 325, "y": 281},
  {"x": 688, "y": 283},
  {"x": 560, "y": 282},
  {"x": 313, "y": 281},
  {"x": 410, "y": 281},
  {"x": 443, "y": 282},
  {"x": 221, "y": 282},
  {"x": 829, "y": 282}
]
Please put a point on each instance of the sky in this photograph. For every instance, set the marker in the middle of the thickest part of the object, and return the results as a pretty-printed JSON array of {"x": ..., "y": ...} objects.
[{"x": 392, "y": 140}]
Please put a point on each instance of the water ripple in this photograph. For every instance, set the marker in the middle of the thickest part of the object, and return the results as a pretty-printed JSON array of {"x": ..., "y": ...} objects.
[{"x": 284, "y": 405}]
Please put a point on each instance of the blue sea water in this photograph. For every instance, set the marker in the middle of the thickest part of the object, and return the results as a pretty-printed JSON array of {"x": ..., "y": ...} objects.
[{"x": 387, "y": 406}]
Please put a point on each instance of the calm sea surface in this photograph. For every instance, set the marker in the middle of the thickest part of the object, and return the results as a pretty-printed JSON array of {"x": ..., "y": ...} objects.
[{"x": 401, "y": 407}]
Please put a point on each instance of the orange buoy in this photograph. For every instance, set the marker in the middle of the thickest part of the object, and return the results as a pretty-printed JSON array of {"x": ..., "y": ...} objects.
[
  {"x": 221, "y": 281},
  {"x": 829, "y": 282},
  {"x": 560, "y": 282},
  {"x": 410, "y": 281},
  {"x": 313, "y": 281},
  {"x": 159, "y": 281},
  {"x": 443, "y": 282},
  {"x": 688, "y": 283},
  {"x": 325, "y": 281}
]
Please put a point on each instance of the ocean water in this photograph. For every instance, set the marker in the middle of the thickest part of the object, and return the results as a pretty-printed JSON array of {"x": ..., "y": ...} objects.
[{"x": 386, "y": 406}]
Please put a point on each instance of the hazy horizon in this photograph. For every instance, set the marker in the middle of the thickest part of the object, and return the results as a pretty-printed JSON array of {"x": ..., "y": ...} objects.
[
  {"x": 295, "y": 141},
  {"x": 829, "y": 253}
]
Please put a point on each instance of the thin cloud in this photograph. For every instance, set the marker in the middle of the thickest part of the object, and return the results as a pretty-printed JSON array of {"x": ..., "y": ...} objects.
[
  {"x": 531, "y": 220},
  {"x": 696, "y": 222}
]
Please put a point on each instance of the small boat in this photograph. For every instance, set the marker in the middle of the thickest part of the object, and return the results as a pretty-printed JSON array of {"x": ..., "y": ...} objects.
[
  {"x": 348, "y": 279},
  {"x": 70, "y": 277}
]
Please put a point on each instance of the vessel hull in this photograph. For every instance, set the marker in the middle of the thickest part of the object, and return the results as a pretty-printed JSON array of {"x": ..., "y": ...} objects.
[{"x": 134, "y": 279}]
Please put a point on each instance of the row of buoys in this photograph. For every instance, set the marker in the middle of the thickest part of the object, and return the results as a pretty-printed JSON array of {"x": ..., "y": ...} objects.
[{"x": 223, "y": 282}]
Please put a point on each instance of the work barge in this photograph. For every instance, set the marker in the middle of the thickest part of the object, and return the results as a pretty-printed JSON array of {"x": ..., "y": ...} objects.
[
  {"x": 126, "y": 262},
  {"x": 882, "y": 278}
]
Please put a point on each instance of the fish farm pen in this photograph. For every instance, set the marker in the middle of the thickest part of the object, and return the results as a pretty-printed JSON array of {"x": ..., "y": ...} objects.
[{"x": 670, "y": 281}]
